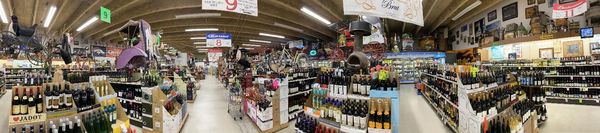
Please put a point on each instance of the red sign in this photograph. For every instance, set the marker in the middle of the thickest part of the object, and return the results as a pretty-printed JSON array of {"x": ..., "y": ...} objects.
[
  {"x": 569, "y": 9},
  {"x": 215, "y": 50}
]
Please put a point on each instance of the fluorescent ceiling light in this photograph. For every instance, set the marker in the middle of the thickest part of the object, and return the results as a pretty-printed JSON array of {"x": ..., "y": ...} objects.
[
  {"x": 49, "y": 16},
  {"x": 87, "y": 23},
  {"x": 198, "y": 38},
  {"x": 469, "y": 8},
  {"x": 3, "y": 14},
  {"x": 249, "y": 48},
  {"x": 251, "y": 45},
  {"x": 202, "y": 29},
  {"x": 271, "y": 35},
  {"x": 288, "y": 27},
  {"x": 315, "y": 15},
  {"x": 197, "y": 15},
  {"x": 261, "y": 41},
  {"x": 199, "y": 42}
]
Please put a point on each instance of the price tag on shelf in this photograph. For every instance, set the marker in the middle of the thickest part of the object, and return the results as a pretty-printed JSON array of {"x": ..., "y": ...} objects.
[
  {"x": 571, "y": 77},
  {"x": 584, "y": 89}
]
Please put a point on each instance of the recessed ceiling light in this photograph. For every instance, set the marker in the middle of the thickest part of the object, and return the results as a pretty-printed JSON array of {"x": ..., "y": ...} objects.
[
  {"x": 3, "y": 13},
  {"x": 87, "y": 23},
  {"x": 202, "y": 29},
  {"x": 261, "y": 41},
  {"x": 288, "y": 27},
  {"x": 199, "y": 42},
  {"x": 198, "y": 38},
  {"x": 271, "y": 35},
  {"x": 197, "y": 15},
  {"x": 315, "y": 15},
  {"x": 49, "y": 16},
  {"x": 251, "y": 45}
]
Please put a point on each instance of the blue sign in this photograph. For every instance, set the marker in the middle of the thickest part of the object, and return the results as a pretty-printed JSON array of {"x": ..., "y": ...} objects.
[
  {"x": 218, "y": 40},
  {"x": 587, "y": 32},
  {"x": 218, "y": 36}
]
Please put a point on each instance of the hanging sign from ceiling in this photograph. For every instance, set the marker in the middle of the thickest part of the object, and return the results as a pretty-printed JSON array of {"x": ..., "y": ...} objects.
[
  {"x": 410, "y": 11},
  {"x": 218, "y": 40},
  {"x": 569, "y": 9},
  {"x": 248, "y": 7},
  {"x": 105, "y": 14},
  {"x": 214, "y": 54}
]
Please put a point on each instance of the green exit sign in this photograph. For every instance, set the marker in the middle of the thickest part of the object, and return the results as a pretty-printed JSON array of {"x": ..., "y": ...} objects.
[{"x": 105, "y": 14}]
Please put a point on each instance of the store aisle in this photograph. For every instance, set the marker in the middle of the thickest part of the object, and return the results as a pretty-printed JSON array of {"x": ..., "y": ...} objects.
[
  {"x": 5, "y": 110},
  {"x": 416, "y": 116}
]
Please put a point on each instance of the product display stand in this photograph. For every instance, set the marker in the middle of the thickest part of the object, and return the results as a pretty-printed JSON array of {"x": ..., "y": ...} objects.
[
  {"x": 274, "y": 117},
  {"x": 163, "y": 121}
]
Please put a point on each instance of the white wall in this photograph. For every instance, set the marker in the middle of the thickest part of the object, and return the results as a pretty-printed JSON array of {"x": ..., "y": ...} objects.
[
  {"x": 530, "y": 50},
  {"x": 522, "y": 5}
]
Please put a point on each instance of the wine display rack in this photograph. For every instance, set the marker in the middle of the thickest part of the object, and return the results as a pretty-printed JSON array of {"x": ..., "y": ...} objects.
[
  {"x": 275, "y": 116},
  {"x": 468, "y": 120}
]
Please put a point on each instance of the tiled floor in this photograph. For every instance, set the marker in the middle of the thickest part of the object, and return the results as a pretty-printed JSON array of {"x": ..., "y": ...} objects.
[{"x": 209, "y": 115}]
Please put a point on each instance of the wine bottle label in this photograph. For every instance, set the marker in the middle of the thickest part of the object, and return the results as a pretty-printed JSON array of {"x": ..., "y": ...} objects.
[
  {"x": 55, "y": 102},
  {"x": 378, "y": 125},
  {"x": 331, "y": 113},
  {"x": 371, "y": 123},
  {"x": 68, "y": 100},
  {"x": 344, "y": 90},
  {"x": 343, "y": 119},
  {"x": 40, "y": 107},
  {"x": 355, "y": 85},
  {"x": 350, "y": 120},
  {"x": 24, "y": 109},
  {"x": 32, "y": 110},
  {"x": 16, "y": 109},
  {"x": 386, "y": 125},
  {"x": 363, "y": 122},
  {"x": 356, "y": 121}
]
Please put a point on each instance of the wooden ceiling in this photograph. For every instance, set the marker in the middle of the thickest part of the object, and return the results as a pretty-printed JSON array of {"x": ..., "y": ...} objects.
[{"x": 161, "y": 16}]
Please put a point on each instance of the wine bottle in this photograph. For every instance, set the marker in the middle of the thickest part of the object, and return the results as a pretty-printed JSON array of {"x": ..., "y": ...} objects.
[
  {"x": 16, "y": 103},
  {"x": 31, "y": 102},
  {"x": 24, "y": 105},
  {"x": 38, "y": 101}
]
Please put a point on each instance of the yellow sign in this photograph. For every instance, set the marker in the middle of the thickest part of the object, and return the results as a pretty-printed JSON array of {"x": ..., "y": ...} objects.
[{"x": 546, "y": 36}]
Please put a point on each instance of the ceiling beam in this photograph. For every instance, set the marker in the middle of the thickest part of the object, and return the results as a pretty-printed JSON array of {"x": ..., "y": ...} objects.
[
  {"x": 447, "y": 15},
  {"x": 83, "y": 13}
]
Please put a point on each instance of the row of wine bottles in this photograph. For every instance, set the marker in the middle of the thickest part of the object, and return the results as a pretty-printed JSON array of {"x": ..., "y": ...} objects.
[
  {"x": 34, "y": 78},
  {"x": 27, "y": 102},
  {"x": 578, "y": 60},
  {"x": 496, "y": 100},
  {"x": 97, "y": 122},
  {"x": 447, "y": 89},
  {"x": 303, "y": 73},
  {"x": 573, "y": 92},
  {"x": 64, "y": 125},
  {"x": 308, "y": 124}
]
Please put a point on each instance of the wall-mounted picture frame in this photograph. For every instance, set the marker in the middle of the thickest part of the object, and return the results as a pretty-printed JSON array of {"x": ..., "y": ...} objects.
[
  {"x": 492, "y": 16},
  {"x": 573, "y": 48},
  {"x": 510, "y": 11},
  {"x": 541, "y": 1},
  {"x": 546, "y": 53},
  {"x": 531, "y": 12},
  {"x": 531, "y": 2}
]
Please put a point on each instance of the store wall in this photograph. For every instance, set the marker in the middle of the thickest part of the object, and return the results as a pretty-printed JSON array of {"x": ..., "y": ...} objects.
[
  {"x": 522, "y": 5},
  {"x": 530, "y": 50}
]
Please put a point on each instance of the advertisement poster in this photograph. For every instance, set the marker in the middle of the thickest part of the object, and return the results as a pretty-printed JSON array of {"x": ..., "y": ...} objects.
[
  {"x": 99, "y": 51},
  {"x": 567, "y": 10},
  {"x": 113, "y": 52},
  {"x": 218, "y": 40},
  {"x": 410, "y": 11},
  {"x": 248, "y": 7},
  {"x": 214, "y": 54}
]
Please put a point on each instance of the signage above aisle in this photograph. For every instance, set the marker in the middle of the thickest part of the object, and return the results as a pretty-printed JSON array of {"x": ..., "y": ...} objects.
[
  {"x": 410, "y": 11},
  {"x": 214, "y": 54},
  {"x": 248, "y": 7},
  {"x": 218, "y": 40},
  {"x": 105, "y": 14},
  {"x": 569, "y": 9}
]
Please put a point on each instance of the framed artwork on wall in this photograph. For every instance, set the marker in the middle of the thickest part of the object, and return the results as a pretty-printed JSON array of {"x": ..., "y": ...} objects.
[
  {"x": 573, "y": 48},
  {"x": 510, "y": 11},
  {"x": 492, "y": 16},
  {"x": 546, "y": 53},
  {"x": 541, "y": 1},
  {"x": 531, "y": 12},
  {"x": 531, "y": 2}
]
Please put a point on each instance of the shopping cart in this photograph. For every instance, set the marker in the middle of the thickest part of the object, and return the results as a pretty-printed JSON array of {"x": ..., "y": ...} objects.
[{"x": 234, "y": 107}]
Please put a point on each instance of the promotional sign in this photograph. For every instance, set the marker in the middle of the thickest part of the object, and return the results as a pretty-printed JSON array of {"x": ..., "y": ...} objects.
[
  {"x": 113, "y": 52},
  {"x": 99, "y": 51},
  {"x": 248, "y": 7},
  {"x": 376, "y": 31},
  {"x": 218, "y": 40},
  {"x": 410, "y": 11},
  {"x": 105, "y": 14},
  {"x": 569, "y": 9},
  {"x": 214, "y": 54}
]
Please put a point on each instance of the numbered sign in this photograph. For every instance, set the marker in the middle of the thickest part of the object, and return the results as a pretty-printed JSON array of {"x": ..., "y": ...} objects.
[
  {"x": 248, "y": 7},
  {"x": 105, "y": 14}
]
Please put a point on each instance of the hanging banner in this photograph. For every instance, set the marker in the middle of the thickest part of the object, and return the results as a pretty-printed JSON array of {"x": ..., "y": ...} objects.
[
  {"x": 248, "y": 7},
  {"x": 218, "y": 40},
  {"x": 113, "y": 52},
  {"x": 376, "y": 31},
  {"x": 99, "y": 51},
  {"x": 410, "y": 11},
  {"x": 214, "y": 54},
  {"x": 569, "y": 9}
]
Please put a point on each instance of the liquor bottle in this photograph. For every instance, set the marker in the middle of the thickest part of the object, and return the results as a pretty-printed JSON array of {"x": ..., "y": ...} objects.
[
  {"x": 41, "y": 129},
  {"x": 31, "y": 102},
  {"x": 31, "y": 129},
  {"x": 24, "y": 105},
  {"x": 68, "y": 96},
  {"x": 77, "y": 128},
  {"x": 38, "y": 101},
  {"x": 23, "y": 129},
  {"x": 70, "y": 127},
  {"x": 14, "y": 130},
  {"x": 49, "y": 98},
  {"x": 63, "y": 126},
  {"x": 61, "y": 97},
  {"x": 54, "y": 129},
  {"x": 16, "y": 103}
]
